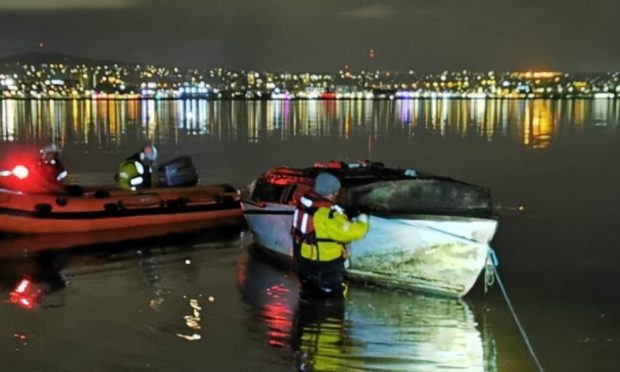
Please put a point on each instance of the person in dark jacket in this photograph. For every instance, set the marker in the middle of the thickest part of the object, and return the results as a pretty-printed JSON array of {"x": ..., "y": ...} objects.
[{"x": 50, "y": 166}]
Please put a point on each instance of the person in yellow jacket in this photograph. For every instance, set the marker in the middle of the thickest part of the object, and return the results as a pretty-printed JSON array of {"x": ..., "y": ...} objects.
[
  {"x": 321, "y": 231},
  {"x": 135, "y": 171}
]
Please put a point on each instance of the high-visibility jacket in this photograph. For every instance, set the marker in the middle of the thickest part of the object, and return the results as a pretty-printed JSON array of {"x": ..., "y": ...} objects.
[
  {"x": 134, "y": 173},
  {"x": 321, "y": 231}
]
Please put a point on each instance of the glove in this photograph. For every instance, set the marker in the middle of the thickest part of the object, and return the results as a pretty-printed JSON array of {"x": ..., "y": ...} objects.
[
  {"x": 352, "y": 212},
  {"x": 363, "y": 217}
]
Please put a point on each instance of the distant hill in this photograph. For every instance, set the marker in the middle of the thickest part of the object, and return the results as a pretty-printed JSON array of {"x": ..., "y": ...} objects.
[{"x": 37, "y": 58}]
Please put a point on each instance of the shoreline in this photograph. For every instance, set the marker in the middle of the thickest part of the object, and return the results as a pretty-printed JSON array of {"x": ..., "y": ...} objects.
[{"x": 448, "y": 98}]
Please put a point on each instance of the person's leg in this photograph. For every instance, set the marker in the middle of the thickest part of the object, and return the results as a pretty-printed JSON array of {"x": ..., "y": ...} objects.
[
  {"x": 330, "y": 278},
  {"x": 306, "y": 271}
]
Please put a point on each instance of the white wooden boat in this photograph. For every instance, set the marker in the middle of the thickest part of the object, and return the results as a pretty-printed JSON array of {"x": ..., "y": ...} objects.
[{"x": 441, "y": 250}]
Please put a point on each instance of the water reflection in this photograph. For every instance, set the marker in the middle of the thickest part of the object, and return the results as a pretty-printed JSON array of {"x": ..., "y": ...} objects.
[
  {"x": 533, "y": 123},
  {"x": 50, "y": 261},
  {"x": 371, "y": 329}
]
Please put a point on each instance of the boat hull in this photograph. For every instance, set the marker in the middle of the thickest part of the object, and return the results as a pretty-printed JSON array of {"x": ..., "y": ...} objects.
[
  {"x": 431, "y": 253},
  {"x": 106, "y": 210}
]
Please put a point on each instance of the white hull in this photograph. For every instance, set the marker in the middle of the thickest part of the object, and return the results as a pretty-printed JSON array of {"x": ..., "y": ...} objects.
[{"x": 431, "y": 253}]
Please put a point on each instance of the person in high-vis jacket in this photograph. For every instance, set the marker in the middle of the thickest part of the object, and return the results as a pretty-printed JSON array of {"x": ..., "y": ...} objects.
[
  {"x": 135, "y": 172},
  {"x": 321, "y": 231}
]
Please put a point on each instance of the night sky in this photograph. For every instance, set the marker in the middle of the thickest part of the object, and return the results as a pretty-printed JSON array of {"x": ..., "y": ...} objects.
[{"x": 324, "y": 35}]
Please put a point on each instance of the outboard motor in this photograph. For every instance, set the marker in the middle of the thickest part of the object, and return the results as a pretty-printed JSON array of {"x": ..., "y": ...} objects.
[{"x": 178, "y": 172}]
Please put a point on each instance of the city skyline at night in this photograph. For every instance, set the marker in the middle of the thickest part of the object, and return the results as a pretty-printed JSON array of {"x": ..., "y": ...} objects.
[{"x": 60, "y": 76}]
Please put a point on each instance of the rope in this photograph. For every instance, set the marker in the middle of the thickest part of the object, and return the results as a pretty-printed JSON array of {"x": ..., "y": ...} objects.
[
  {"x": 493, "y": 268},
  {"x": 489, "y": 276},
  {"x": 489, "y": 266},
  {"x": 412, "y": 223}
]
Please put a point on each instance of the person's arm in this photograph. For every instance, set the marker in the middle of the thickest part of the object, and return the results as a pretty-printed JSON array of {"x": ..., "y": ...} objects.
[{"x": 339, "y": 228}]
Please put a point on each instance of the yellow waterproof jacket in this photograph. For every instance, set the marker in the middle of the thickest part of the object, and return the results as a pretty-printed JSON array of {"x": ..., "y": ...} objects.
[
  {"x": 333, "y": 230},
  {"x": 131, "y": 175}
]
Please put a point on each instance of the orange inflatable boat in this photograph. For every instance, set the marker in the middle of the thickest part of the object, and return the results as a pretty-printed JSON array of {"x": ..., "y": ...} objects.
[{"x": 101, "y": 208}]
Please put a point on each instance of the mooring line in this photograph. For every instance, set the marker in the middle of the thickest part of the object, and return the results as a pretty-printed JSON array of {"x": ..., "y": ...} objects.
[
  {"x": 423, "y": 226},
  {"x": 512, "y": 310}
]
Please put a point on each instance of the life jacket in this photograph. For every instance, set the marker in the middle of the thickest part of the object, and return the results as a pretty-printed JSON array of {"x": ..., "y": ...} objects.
[
  {"x": 305, "y": 239},
  {"x": 134, "y": 173}
]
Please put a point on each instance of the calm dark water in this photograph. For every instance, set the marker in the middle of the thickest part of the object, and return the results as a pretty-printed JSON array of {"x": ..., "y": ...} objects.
[{"x": 123, "y": 306}]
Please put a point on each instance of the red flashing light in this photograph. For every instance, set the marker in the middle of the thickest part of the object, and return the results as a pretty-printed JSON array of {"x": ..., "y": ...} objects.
[
  {"x": 25, "y": 303},
  {"x": 20, "y": 172},
  {"x": 25, "y": 294},
  {"x": 22, "y": 286}
]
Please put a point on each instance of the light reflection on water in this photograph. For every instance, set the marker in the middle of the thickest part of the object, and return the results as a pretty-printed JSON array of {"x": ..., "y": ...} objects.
[
  {"x": 174, "y": 304},
  {"x": 372, "y": 329},
  {"x": 533, "y": 123},
  {"x": 558, "y": 158}
]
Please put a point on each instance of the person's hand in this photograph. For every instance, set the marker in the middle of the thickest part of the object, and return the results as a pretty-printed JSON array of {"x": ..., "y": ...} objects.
[
  {"x": 352, "y": 212},
  {"x": 363, "y": 217}
]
